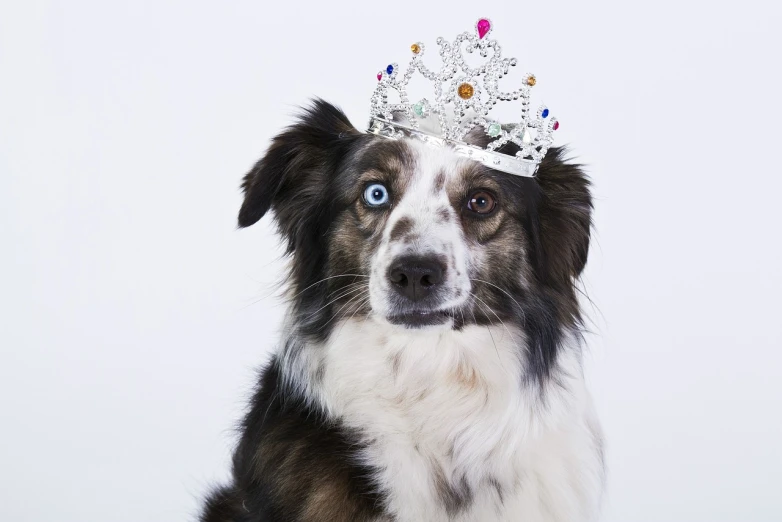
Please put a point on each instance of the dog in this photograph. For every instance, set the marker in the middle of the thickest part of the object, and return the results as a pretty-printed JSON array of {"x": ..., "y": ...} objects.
[{"x": 430, "y": 368}]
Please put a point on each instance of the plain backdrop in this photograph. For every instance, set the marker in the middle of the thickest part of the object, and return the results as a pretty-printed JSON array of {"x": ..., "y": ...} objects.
[{"x": 134, "y": 314}]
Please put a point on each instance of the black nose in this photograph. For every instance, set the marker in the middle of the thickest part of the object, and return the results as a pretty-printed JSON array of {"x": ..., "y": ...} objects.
[{"x": 416, "y": 277}]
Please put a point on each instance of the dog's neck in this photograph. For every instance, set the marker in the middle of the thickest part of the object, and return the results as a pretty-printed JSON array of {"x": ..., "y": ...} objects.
[
  {"x": 388, "y": 359},
  {"x": 449, "y": 405}
]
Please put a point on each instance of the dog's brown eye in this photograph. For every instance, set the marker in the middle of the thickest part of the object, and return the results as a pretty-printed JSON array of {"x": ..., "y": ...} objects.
[{"x": 481, "y": 202}]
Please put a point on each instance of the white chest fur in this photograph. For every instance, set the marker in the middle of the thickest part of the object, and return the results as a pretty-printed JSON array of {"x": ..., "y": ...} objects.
[{"x": 453, "y": 428}]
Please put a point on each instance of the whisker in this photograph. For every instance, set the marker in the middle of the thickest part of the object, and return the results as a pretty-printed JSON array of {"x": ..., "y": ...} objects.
[
  {"x": 256, "y": 301},
  {"x": 591, "y": 302},
  {"x": 351, "y": 285},
  {"x": 336, "y": 314},
  {"x": 495, "y": 315},
  {"x": 473, "y": 311},
  {"x": 327, "y": 279},
  {"x": 359, "y": 306},
  {"x": 496, "y": 350},
  {"x": 345, "y": 294},
  {"x": 347, "y": 290},
  {"x": 366, "y": 317},
  {"x": 521, "y": 308}
]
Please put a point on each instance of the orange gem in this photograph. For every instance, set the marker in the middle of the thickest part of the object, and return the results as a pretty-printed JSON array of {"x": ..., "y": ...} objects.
[
  {"x": 531, "y": 81},
  {"x": 415, "y": 48},
  {"x": 466, "y": 91}
]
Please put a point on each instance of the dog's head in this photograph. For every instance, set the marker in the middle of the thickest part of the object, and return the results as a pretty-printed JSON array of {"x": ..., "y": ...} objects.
[{"x": 418, "y": 237}]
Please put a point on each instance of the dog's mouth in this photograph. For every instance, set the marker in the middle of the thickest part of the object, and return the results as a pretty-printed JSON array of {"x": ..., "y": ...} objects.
[{"x": 421, "y": 318}]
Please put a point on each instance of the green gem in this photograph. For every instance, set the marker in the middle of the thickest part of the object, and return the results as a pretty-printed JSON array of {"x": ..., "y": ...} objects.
[
  {"x": 494, "y": 130},
  {"x": 418, "y": 109}
]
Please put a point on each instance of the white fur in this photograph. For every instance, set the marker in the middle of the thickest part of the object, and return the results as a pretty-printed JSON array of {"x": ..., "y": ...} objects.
[{"x": 456, "y": 402}]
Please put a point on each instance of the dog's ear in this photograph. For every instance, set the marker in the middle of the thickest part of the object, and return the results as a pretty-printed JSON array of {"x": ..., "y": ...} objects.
[
  {"x": 291, "y": 177},
  {"x": 565, "y": 213}
]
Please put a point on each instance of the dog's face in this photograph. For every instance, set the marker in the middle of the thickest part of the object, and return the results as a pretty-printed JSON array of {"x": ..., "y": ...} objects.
[
  {"x": 418, "y": 237},
  {"x": 430, "y": 230}
]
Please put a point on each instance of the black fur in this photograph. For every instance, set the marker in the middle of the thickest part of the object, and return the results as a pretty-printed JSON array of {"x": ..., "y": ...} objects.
[
  {"x": 288, "y": 455},
  {"x": 296, "y": 178}
]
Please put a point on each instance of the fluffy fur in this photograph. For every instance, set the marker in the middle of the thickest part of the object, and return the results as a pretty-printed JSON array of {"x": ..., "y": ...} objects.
[{"x": 458, "y": 399}]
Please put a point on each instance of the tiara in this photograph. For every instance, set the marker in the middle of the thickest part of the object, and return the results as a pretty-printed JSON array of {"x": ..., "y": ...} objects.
[{"x": 463, "y": 99}]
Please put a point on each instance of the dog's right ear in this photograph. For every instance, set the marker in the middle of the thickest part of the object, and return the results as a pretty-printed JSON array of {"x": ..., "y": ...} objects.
[{"x": 291, "y": 177}]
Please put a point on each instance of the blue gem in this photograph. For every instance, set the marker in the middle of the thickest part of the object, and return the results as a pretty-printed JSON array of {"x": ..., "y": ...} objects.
[
  {"x": 390, "y": 69},
  {"x": 544, "y": 113}
]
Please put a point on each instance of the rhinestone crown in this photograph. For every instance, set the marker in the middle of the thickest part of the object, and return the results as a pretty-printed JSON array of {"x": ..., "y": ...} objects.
[{"x": 463, "y": 98}]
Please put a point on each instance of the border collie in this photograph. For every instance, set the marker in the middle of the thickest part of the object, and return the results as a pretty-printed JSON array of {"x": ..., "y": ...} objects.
[{"x": 430, "y": 368}]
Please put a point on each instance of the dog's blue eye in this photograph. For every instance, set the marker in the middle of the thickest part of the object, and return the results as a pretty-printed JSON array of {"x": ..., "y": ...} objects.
[{"x": 376, "y": 195}]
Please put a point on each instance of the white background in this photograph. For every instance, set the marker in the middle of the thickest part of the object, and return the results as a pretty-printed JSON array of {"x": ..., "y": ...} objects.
[{"x": 134, "y": 314}]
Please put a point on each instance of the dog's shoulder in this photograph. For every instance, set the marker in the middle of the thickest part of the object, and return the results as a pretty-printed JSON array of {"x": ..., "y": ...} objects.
[{"x": 293, "y": 463}]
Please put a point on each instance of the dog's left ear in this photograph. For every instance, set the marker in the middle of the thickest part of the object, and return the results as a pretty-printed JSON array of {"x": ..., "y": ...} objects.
[
  {"x": 291, "y": 177},
  {"x": 565, "y": 213}
]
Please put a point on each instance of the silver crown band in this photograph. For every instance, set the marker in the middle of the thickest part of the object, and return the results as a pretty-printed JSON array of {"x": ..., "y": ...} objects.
[{"x": 495, "y": 160}]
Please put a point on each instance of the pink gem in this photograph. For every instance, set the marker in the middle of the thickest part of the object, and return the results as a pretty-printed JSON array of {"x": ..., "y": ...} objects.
[
  {"x": 556, "y": 125},
  {"x": 379, "y": 76},
  {"x": 483, "y": 27}
]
